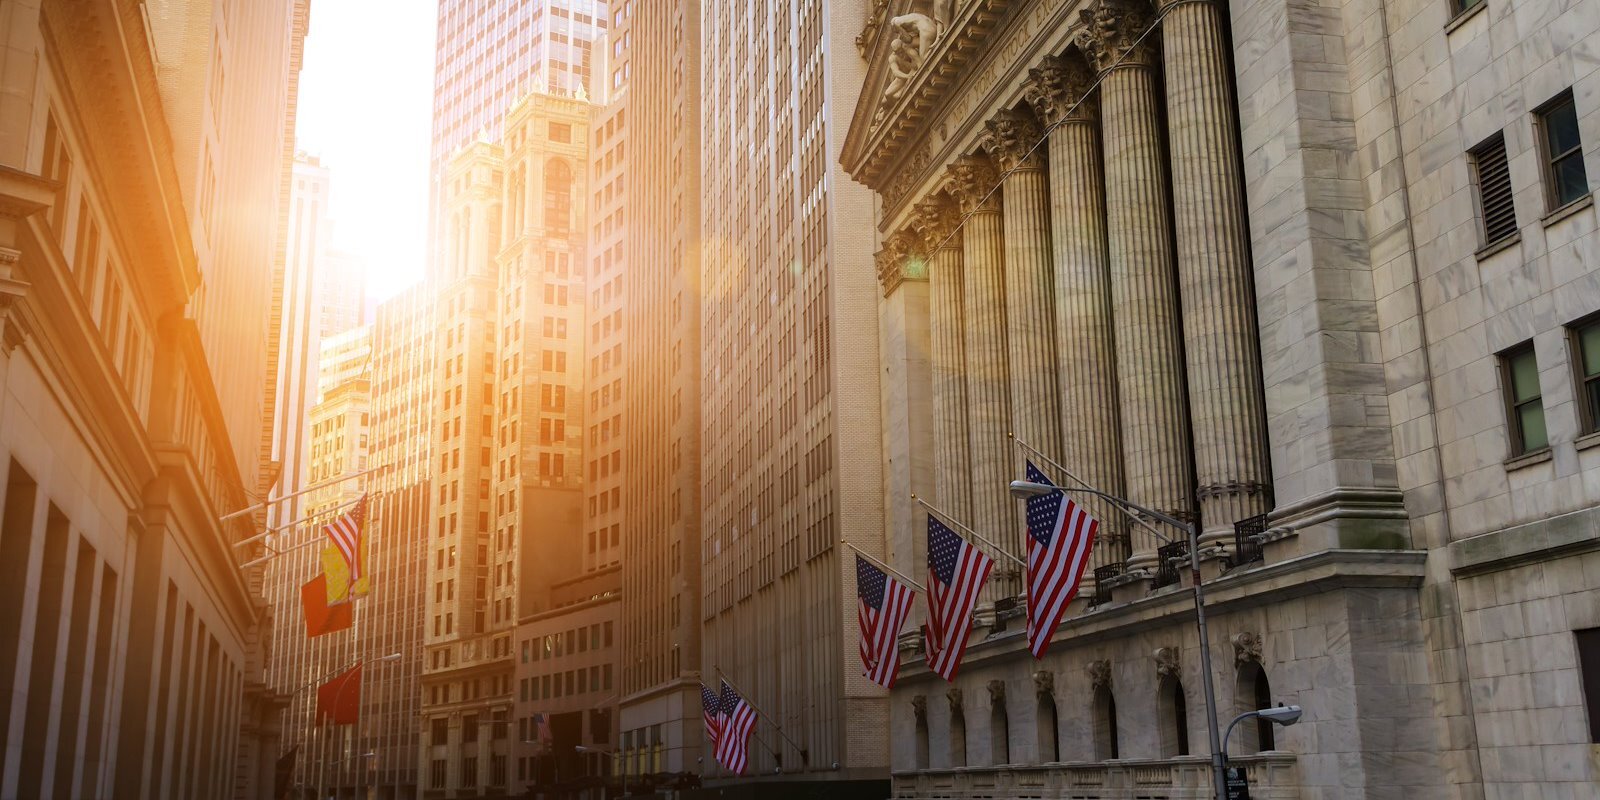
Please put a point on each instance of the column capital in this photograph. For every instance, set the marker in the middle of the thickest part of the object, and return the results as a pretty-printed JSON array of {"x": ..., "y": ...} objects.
[
  {"x": 938, "y": 220},
  {"x": 902, "y": 258},
  {"x": 1111, "y": 31},
  {"x": 1058, "y": 90},
  {"x": 1012, "y": 138},
  {"x": 972, "y": 179}
]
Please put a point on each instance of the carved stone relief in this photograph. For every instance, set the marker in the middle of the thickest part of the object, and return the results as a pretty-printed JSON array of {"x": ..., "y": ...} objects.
[
  {"x": 1044, "y": 683},
  {"x": 1246, "y": 648},
  {"x": 1012, "y": 139},
  {"x": 1099, "y": 674},
  {"x": 1059, "y": 87},
  {"x": 1166, "y": 659},
  {"x": 1111, "y": 33}
]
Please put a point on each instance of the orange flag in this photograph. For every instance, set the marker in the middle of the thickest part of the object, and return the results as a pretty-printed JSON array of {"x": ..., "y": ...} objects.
[
  {"x": 322, "y": 618},
  {"x": 339, "y": 700}
]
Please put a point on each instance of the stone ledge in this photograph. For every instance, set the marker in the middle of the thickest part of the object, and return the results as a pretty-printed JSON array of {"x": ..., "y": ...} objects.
[
  {"x": 1568, "y": 210},
  {"x": 1310, "y": 574},
  {"x": 1575, "y": 532},
  {"x": 1539, "y": 456}
]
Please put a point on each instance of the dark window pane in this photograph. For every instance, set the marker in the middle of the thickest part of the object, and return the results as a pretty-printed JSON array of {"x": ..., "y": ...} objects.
[
  {"x": 1561, "y": 128},
  {"x": 1531, "y": 418},
  {"x": 1592, "y": 389},
  {"x": 1571, "y": 182},
  {"x": 1589, "y": 343},
  {"x": 1589, "y": 667},
  {"x": 1524, "y": 377}
]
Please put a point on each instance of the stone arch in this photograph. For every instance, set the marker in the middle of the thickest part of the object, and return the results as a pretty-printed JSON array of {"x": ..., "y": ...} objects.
[
  {"x": 1045, "y": 718},
  {"x": 999, "y": 725}
]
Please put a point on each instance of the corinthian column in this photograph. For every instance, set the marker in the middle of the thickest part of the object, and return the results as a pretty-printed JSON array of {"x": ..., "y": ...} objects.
[
  {"x": 1150, "y": 391},
  {"x": 936, "y": 222},
  {"x": 973, "y": 182},
  {"x": 1085, "y": 342},
  {"x": 1225, "y": 395},
  {"x": 1014, "y": 139}
]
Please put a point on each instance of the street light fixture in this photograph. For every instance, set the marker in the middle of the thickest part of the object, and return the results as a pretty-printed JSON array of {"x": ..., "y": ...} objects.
[
  {"x": 1024, "y": 490},
  {"x": 1280, "y": 715}
]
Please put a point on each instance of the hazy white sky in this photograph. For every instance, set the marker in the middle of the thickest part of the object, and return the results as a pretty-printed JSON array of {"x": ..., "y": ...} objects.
[{"x": 366, "y": 105}]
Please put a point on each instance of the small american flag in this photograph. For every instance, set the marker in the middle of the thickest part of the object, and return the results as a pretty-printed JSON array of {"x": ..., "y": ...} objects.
[
  {"x": 345, "y": 533},
  {"x": 711, "y": 709},
  {"x": 956, "y": 572},
  {"x": 1060, "y": 537},
  {"x": 738, "y": 721},
  {"x": 881, "y": 608}
]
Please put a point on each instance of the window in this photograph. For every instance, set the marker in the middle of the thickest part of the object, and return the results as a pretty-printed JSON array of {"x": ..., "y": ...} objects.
[
  {"x": 1105, "y": 724},
  {"x": 1585, "y": 339},
  {"x": 1492, "y": 174},
  {"x": 1462, "y": 6},
  {"x": 1524, "y": 406},
  {"x": 1589, "y": 672},
  {"x": 1175, "y": 718},
  {"x": 1565, "y": 179}
]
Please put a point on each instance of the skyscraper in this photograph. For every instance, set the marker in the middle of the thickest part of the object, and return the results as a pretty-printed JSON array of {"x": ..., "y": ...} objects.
[
  {"x": 790, "y": 406},
  {"x": 660, "y": 718}
]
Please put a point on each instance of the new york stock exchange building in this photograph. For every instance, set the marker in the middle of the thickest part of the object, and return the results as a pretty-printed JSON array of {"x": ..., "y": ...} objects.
[{"x": 1319, "y": 276}]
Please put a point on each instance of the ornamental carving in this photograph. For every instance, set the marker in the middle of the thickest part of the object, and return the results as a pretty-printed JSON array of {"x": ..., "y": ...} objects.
[
  {"x": 953, "y": 696},
  {"x": 902, "y": 258},
  {"x": 1111, "y": 34},
  {"x": 938, "y": 221},
  {"x": 997, "y": 693},
  {"x": 1099, "y": 674},
  {"x": 1013, "y": 139},
  {"x": 919, "y": 707},
  {"x": 1058, "y": 89},
  {"x": 1166, "y": 659},
  {"x": 907, "y": 176},
  {"x": 973, "y": 183},
  {"x": 869, "y": 34},
  {"x": 1044, "y": 683},
  {"x": 1246, "y": 648}
]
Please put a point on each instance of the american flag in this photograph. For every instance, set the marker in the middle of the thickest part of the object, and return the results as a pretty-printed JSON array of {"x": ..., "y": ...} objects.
[
  {"x": 738, "y": 721},
  {"x": 711, "y": 708},
  {"x": 1060, "y": 537},
  {"x": 345, "y": 533},
  {"x": 956, "y": 572},
  {"x": 882, "y": 604}
]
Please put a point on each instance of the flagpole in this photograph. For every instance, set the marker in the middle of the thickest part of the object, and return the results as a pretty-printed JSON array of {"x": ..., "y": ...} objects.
[
  {"x": 901, "y": 575},
  {"x": 1116, "y": 502},
  {"x": 805, "y": 755},
  {"x": 294, "y": 523},
  {"x": 970, "y": 532},
  {"x": 262, "y": 506}
]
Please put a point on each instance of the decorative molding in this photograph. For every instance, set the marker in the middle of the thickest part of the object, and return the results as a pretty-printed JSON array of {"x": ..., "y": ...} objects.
[
  {"x": 907, "y": 177},
  {"x": 1111, "y": 31},
  {"x": 1014, "y": 140},
  {"x": 973, "y": 181},
  {"x": 919, "y": 707},
  {"x": 868, "y": 37},
  {"x": 938, "y": 220},
  {"x": 1166, "y": 659},
  {"x": 1246, "y": 648},
  {"x": 954, "y": 697},
  {"x": 1099, "y": 673},
  {"x": 997, "y": 693},
  {"x": 901, "y": 259},
  {"x": 1044, "y": 683},
  {"x": 1058, "y": 90}
]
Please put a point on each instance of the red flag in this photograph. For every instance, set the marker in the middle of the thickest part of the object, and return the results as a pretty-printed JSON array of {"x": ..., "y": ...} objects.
[
  {"x": 339, "y": 700},
  {"x": 320, "y": 617}
]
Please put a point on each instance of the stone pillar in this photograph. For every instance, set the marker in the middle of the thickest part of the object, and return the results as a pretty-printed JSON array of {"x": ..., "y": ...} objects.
[
  {"x": 1155, "y": 435},
  {"x": 1085, "y": 339},
  {"x": 937, "y": 220},
  {"x": 1014, "y": 140},
  {"x": 1214, "y": 271},
  {"x": 974, "y": 182}
]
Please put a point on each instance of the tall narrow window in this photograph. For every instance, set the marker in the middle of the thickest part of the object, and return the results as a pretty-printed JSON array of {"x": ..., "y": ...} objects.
[
  {"x": 1585, "y": 339},
  {"x": 1565, "y": 178},
  {"x": 999, "y": 726},
  {"x": 1492, "y": 174},
  {"x": 1105, "y": 724},
  {"x": 1174, "y": 718},
  {"x": 1589, "y": 669},
  {"x": 958, "y": 736},
  {"x": 1049, "y": 739},
  {"x": 1524, "y": 405}
]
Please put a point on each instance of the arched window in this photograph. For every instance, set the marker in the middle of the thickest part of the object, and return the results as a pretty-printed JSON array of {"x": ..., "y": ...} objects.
[
  {"x": 1253, "y": 692},
  {"x": 958, "y": 735},
  {"x": 1105, "y": 724},
  {"x": 1174, "y": 718},
  {"x": 919, "y": 707},
  {"x": 999, "y": 725},
  {"x": 557, "y": 196},
  {"x": 1049, "y": 736}
]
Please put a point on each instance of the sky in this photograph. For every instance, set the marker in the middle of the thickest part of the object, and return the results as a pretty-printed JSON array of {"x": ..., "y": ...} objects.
[{"x": 366, "y": 106}]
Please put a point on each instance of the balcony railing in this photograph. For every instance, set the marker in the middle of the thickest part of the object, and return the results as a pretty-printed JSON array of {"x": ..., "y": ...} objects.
[
  {"x": 1102, "y": 580},
  {"x": 1272, "y": 777},
  {"x": 1169, "y": 558},
  {"x": 1246, "y": 544}
]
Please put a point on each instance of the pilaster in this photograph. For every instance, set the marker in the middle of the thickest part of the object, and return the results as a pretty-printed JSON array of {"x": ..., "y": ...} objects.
[{"x": 937, "y": 220}]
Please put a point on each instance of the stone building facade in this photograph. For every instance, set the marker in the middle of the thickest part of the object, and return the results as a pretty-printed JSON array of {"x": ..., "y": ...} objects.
[{"x": 1317, "y": 277}]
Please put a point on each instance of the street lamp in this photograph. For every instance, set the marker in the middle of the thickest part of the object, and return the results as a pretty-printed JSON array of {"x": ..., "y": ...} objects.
[
  {"x": 1024, "y": 490},
  {"x": 1281, "y": 715}
]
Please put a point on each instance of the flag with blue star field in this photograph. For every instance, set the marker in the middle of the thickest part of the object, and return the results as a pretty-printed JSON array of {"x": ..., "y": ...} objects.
[
  {"x": 711, "y": 709},
  {"x": 738, "y": 721},
  {"x": 956, "y": 573},
  {"x": 1060, "y": 537},
  {"x": 882, "y": 605}
]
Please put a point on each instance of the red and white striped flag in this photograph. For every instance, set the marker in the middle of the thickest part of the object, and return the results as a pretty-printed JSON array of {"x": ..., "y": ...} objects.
[
  {"x": 882, "y": 605},
  {"x": 956, "y": 572},
  {"x": 345, "y": 533},
  {"x": 711, "y": 710},
  {"x": 1060, "y": 538},
  {"x": 738, "y": 722}
]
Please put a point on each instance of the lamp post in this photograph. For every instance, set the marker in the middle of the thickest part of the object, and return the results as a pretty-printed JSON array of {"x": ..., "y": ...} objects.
[
  {"x": 1029, "y": 489},
  {"x": 322, "y": 760}
]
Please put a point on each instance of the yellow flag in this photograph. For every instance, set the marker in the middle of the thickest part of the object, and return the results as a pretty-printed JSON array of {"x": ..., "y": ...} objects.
[{"x": 337, "y": 571}]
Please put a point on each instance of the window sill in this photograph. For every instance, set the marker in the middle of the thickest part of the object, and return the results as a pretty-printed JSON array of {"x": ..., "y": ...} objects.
[
  {"x": 1463, "y": 15},
  {"x": 1501, "y": 244},
  {"x": 1587, "y": 441},
  {"x": 1586, "y": 201},
  {"x": 1528, "y": 459}
]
